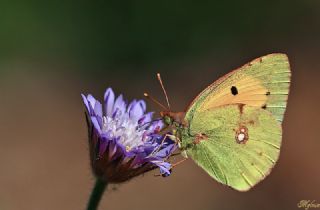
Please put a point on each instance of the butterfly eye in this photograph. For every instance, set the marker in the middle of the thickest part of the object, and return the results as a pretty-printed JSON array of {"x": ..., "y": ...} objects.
[{"x": 167, "y": 120}]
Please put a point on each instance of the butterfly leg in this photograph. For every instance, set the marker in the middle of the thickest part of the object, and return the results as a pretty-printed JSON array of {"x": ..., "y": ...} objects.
[
  {"x": 165, "y": 130},
  {"x": 178, "y": 163},
  {"x": 178, "y": 142}
]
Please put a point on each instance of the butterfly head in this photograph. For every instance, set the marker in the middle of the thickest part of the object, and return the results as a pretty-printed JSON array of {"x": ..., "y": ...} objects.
[
  {"x": 173, "y": 118},
  {"x": 167, "y": 119}
]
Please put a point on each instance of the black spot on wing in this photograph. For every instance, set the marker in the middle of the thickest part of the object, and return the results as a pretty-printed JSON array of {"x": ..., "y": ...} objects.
[{"x": 234, "y": 90}]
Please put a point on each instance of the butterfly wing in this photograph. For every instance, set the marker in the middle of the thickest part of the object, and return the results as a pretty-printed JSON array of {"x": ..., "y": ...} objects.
[
  {"x": 263, "y": 82},
  {"x": 237, "y": 162},
  {"x": 235, "y": 123}
]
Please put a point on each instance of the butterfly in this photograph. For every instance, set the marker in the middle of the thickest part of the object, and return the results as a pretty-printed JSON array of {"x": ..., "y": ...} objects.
[{"x": 232, "y": 129}]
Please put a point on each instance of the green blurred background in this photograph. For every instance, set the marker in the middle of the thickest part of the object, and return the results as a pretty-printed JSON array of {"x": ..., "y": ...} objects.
[{"x": 51, "y": 51}]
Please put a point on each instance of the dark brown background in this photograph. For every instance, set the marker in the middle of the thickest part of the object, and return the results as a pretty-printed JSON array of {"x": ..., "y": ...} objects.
[{"x": 52, "y": 51}]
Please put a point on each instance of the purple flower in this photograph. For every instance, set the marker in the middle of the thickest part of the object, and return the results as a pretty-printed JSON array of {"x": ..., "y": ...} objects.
[{"x": 123, "y": 140}]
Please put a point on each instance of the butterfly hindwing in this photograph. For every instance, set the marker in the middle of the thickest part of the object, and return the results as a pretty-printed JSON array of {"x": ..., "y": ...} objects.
[{"x": 238, "y": 164}]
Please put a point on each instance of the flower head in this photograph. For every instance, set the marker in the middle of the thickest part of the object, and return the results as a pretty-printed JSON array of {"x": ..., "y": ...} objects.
[{"x": 123, "y": 140}]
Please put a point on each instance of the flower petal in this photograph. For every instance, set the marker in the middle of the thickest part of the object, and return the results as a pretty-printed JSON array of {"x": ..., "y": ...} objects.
[
  {"x": 166, "y": 151},
  {"x": 119, "y": 105},
  {"x": 137, "y": 110},
  {"x": 133, "y": 102},
  {"x": 109, "y": 101},
  {"x": 92, "y": 101},
  {"x": 143, "y": 105},
  {"x": 156, "y": 126},
  {"x": 103, "y": 146},
  {"x": 98, "y": 109},
  {"x": 145, "y": 118},
  {"x": 112, "y": 149},
  {"x": 164, "y": 167},
  {"x": 85, "y": 101},
  {"x": 96, "y": 124}
]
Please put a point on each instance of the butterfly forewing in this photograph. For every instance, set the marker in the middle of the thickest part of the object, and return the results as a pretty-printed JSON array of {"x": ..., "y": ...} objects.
[{"x": 263, "y": 83}]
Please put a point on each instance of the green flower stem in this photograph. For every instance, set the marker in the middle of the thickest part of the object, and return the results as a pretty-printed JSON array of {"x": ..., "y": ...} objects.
[{"x": 96, "y": 194}]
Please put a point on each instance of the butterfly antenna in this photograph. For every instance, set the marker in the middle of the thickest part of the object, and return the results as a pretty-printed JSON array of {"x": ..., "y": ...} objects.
[
  {"x": 155, "y": 101},
  {"x": 164, "y": 90}
]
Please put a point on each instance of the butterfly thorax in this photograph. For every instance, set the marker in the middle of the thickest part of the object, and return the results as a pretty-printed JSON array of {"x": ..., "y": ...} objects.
[{"x": 179, "y": 128}]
